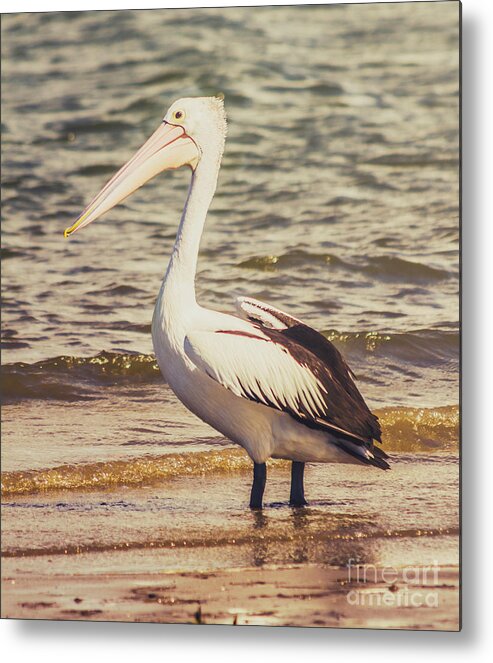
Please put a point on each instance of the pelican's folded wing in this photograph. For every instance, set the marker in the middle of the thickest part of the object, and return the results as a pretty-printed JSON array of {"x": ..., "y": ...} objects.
[
  {"x": 296, "y": 370},
  {"x": 253, "y": 366}
]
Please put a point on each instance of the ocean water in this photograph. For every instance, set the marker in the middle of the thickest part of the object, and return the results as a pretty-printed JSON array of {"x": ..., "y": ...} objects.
[{"x": 338, "y": 201}]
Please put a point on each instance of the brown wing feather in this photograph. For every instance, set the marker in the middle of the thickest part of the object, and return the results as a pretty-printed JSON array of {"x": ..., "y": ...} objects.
[
  {"x": 346, "y": 406},
  {"x": 346, "y": 416}
]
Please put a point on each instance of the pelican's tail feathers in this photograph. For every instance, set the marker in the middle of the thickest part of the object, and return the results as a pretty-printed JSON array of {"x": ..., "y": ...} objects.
[{"x": 374, "y": 456}]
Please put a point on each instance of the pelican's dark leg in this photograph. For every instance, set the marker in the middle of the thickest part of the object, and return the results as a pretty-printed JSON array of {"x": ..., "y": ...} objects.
[
  {"x": 258, "y": 485},
  {"x": 297, "y": 496}
]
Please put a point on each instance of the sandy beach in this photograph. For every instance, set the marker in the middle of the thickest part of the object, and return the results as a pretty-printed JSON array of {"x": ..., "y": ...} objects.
[
  {"x": 186, "y": 549},
  {"x": 293, "y": 595}
]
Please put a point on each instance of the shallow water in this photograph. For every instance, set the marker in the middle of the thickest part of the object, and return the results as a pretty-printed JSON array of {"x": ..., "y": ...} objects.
[
  {"x": 337, "y": 201},
  {"x": 200, "y": 518}
]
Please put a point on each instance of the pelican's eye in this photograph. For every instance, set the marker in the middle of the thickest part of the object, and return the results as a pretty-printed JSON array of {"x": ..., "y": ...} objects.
[{"x": 179, "y": 115}]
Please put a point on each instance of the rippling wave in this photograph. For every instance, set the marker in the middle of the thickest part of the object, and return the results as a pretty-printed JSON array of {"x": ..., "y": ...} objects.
[
  {"x": 70, "y": 378},
  {"x": 381, "y": 267},
  {"x": 125, "y": 472},
  {"x": 404, "y": 430}
]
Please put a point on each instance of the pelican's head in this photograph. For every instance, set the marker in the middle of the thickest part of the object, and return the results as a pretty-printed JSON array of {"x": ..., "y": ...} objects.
[
  {"x": 191, "y": 129},
  {"x": 203, "y": 120}
]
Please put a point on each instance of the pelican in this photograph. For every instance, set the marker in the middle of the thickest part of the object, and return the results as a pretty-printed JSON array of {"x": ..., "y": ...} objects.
[{"x": 262, "y": 378}]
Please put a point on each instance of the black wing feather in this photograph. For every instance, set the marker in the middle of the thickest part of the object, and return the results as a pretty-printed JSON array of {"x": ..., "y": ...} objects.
[{"x": 346, "y": 406}]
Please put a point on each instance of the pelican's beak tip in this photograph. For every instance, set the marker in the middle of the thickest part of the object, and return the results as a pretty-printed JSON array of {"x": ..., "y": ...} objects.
[{"x": 71, "y": 229}]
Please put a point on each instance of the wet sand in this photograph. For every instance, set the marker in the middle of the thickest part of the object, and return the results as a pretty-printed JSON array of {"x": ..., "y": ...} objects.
[
  {"x": 184, "y": 547},
  {"x": 291, "y": 595}
]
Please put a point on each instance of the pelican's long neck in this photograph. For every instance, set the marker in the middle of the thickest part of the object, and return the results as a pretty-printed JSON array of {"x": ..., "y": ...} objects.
[{"x": 179, "y": 281}]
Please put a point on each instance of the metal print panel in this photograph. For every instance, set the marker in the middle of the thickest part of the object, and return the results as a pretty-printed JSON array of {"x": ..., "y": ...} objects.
[{"x": 231, "y": 392}]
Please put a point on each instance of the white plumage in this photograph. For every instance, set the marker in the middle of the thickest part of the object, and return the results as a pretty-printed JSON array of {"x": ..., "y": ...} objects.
[{"x": 249, "y": 362}]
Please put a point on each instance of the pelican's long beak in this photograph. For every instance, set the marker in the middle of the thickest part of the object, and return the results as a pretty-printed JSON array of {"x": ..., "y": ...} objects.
[{"x": 168, "y": 147}]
